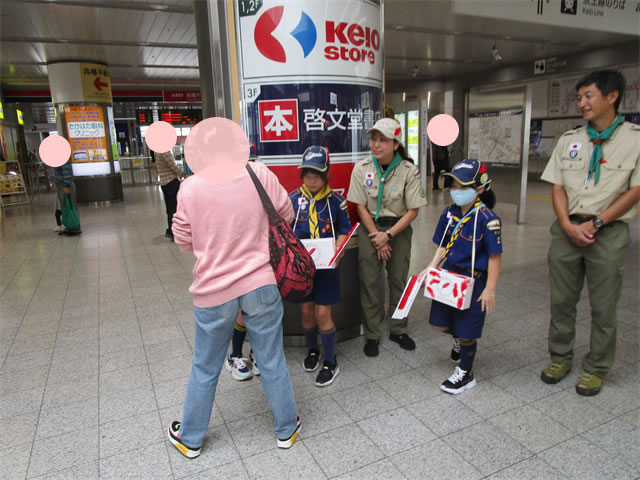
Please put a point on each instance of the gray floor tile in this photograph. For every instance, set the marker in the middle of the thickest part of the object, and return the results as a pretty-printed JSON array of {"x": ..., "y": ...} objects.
[
  {"x": 138, "y": 431},
  {"x": 531, "y": 428},
  {"x": 254, "y": 402},
  {"x": 488, "y": 400},
  {"x": 384, "y": 365},
  {"x": 67, "y": 418},
  {"x": 23, "y": 380},
  {"x": 60, "y": 452},
  {"x": 436, "y": 458},
  {"x": 125, "y": 379},
  {"x": 123, "y": 359},
  {"x": 578, "y": 458},
  {"x": 409, "y": 387},
  {"x": 254, "y": 434},
  {"x": 342, "y": 450},
  {"x": 171, "y": 392},
  {"x": 148, "y": 462},
  {"x": 126, "y": 404},
  {"x": 320, "y": 415},
  {"x": 486, "y": 447},
  {"x": 234, "y": 470},
  {"x": 396, "y": 431},
  {"x": 296, "y": 462},
  {"x": 88, "y": 471},
  {"x": 618, "y": 437},
  {"x": 18, "y": 430},
  {"x": 364, "y": 401},
  {"x": 30, "y": 361},
  {"x": 14, "y": 462},
  {"x": 166, "y": 350},
  {"x": 62, "y": 393},
  {"x": 118, "y": 343},
  {"x": 526, "y": 384},
  {"x": 443, "y": 414},
  {"x": 577, "y": 413},
  {"x": 20, "y": 403},
  {"x": 531, "y": 468},
  {"x": 171, "y": 369},
  {"x": 382, "y": 469}
]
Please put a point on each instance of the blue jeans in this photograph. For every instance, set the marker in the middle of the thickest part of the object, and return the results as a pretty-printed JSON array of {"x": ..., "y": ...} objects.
[{"x": 262, "y": 313}]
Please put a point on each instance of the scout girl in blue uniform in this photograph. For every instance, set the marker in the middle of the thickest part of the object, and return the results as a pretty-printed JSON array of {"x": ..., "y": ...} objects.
[
  {"x": 320, "y": 213},
  {"x": 455, "y": 231}
]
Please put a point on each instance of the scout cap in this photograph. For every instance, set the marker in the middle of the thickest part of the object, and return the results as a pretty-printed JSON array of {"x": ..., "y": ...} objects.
[
  {"x": 389, "y": 128},
  {"x": 470, "y": 172},
  {"x": 316, "y": 158}
]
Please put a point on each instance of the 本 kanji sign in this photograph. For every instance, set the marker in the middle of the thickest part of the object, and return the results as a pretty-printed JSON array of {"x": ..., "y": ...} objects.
[{"x": 278, "y": 120}]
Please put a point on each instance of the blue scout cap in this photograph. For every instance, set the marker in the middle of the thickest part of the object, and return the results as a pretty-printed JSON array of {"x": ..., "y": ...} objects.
[
  {"x": 469, "y": 172},
  {"x": 316, "y": 158}
]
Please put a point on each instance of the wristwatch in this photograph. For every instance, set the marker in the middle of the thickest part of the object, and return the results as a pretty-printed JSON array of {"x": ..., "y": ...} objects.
[
  {"x": 389, "y": 235},
  {"x": 598, "y": 223}
]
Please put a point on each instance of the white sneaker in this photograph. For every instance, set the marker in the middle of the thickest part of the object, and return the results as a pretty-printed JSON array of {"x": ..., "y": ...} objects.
[
  {"x": 254, "y": 365},
  {"x": 59, "y": 228},
  {"x": 238, "y": 368}
]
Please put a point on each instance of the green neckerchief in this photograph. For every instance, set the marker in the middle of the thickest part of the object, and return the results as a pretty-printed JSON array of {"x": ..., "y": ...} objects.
[
  {"x": 397, "y": 160},
  {"x": 597, "y": 139}
]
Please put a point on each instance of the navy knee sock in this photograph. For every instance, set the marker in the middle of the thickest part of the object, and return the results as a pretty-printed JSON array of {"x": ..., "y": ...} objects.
[
  {"x": 311, "y": 336},
  {"x": 239, "y": 332},
  {"x": 468, "y": 350},
  {"x": 329, "y": 345}
]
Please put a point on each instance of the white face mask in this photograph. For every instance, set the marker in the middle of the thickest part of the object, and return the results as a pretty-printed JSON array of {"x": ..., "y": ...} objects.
[{"x": 463, "y": 196}]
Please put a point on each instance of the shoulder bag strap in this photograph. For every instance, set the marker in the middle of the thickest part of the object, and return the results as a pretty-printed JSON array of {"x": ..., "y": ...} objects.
[
  {"x": 274, "y": 218},
  {"x": 473, "y": 247}
]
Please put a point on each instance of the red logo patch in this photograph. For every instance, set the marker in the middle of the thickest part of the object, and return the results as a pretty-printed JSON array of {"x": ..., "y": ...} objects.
[
  {"x": 278, "y": 120},
  {"x": 397, "y": 131}
]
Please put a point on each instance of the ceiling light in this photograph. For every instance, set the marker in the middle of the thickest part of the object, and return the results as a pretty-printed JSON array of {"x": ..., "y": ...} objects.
[
  {"x": 399, "y": 27},
  {"x": 157, "y": 6}
]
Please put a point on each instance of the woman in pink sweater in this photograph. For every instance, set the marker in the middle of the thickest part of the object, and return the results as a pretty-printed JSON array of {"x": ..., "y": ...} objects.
[{"x": 226, "y": 227}]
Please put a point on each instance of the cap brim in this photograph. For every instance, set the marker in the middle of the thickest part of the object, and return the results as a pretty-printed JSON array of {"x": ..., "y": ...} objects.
[
  {"x": 458, "y": 180},
  {"x": 314, "y": 168},
  {"x": 380, "y": 132}
]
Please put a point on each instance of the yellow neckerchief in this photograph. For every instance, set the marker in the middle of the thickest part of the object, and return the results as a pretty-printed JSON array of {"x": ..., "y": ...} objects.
[
  {"x": 459, "y": 225},
  {"x": 313, "y": 213}
]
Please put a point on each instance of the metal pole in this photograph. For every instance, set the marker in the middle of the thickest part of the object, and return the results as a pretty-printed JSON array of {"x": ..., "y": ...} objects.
[{"x": 524, "y": 163}]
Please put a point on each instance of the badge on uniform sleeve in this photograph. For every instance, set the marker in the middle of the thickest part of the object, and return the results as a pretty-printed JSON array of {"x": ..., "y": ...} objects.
[
  {"x": 574, "y": 149},
  {"x": 494, "y": 225},
  {"x": 368, "y": 179}
]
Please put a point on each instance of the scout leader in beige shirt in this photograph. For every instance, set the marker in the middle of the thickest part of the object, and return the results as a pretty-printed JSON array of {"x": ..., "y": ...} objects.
[{"x": 386, "y": 219}]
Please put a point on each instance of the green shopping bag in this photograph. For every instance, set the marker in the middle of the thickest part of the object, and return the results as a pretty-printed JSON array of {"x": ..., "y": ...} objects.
[{"x": 69, "y": 214}]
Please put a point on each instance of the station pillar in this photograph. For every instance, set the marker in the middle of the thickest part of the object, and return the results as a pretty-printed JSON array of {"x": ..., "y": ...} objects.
[
  {"x": 295, "y": 74},
  {"x": 81, "y": 94}
]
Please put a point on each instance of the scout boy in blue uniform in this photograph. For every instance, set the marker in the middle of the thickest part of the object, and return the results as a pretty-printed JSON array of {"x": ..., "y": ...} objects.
[
  {"x": 455, "y": 230},
  {"x": 320, "y": 213}
]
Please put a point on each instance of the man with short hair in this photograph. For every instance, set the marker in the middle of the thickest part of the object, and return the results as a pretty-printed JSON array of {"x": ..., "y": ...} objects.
[{"x": 595, "y": 172}]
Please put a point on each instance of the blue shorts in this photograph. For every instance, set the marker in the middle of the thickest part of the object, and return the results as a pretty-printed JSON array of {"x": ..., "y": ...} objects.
[
  {"x": 326, "y": 288},
  {"x": 465, "y": 324}
]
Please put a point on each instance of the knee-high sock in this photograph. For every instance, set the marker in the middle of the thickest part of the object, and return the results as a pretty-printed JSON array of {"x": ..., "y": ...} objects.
[
  {"x": 467, "y": 353},
  {"x": 311, "y": 336},
  {"x": 239, "y": 332},
  {"x": 329, "y": 345}
]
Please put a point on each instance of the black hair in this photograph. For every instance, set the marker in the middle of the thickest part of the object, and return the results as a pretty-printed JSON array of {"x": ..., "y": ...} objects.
[
  {"x": 324, "y": 175},
  {"x": 606, "y": 81},
  {"x": 403, "y": 152},
  {"x": 488, "y": 197}
]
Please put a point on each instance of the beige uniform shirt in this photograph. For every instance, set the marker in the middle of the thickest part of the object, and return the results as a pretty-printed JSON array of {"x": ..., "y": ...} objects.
[
  {"x": 402, "y": 191},
  {"x": 569, "y": 166}
]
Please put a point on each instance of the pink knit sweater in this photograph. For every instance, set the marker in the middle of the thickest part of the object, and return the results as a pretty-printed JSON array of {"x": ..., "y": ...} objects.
[{"x": 226, "y": 226}]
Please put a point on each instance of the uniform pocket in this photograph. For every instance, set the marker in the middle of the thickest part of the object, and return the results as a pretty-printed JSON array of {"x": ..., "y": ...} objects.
[{"x": 569, "y": 164}]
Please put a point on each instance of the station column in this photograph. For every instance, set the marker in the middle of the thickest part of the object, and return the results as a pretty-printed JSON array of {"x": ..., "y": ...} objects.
[
  {"x": 81, "y": 94},
  {"x": 295, "y": 74}
]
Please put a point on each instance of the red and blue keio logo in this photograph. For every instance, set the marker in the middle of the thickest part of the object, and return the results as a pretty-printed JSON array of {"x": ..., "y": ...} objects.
[{"x": 305, "y": 33}]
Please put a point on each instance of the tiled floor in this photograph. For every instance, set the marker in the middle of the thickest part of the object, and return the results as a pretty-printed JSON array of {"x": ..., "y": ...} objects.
[{"x": 95, "y": 350}]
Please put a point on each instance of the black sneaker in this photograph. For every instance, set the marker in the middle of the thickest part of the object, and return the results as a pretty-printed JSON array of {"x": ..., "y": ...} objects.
[
  {"x": 169, "y": 235},
  {"x": 371, "y": 348},
  {"x": 327, "y": 375},
  {"x": 174, "y": 437},
  {"x": 404, "y": 341},
  {"x": 459, "y": 381},
  {"x": 455, "y": 350},
  {"x": 312, "y": 360}
]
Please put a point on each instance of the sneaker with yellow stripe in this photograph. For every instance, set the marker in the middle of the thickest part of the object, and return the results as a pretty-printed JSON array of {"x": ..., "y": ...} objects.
[
  {"x": 288, "y": 442},
  {"x": 555, "y": 372},
  {"x": 174, "y": 438},
  {"x": 588, "y": 384}
]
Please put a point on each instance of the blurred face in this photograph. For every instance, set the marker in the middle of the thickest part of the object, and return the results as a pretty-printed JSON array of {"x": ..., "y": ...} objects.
[
  {"x": 383, "y": 148},
  {"x": 313, "y": 181},
  {"x": 595, "y": 106}
]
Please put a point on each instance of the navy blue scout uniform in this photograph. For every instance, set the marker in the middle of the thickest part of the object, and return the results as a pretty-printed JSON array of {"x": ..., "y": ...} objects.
[
  {"x": 313, "y": 219},
  {"x": 466, "y": 323}
]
